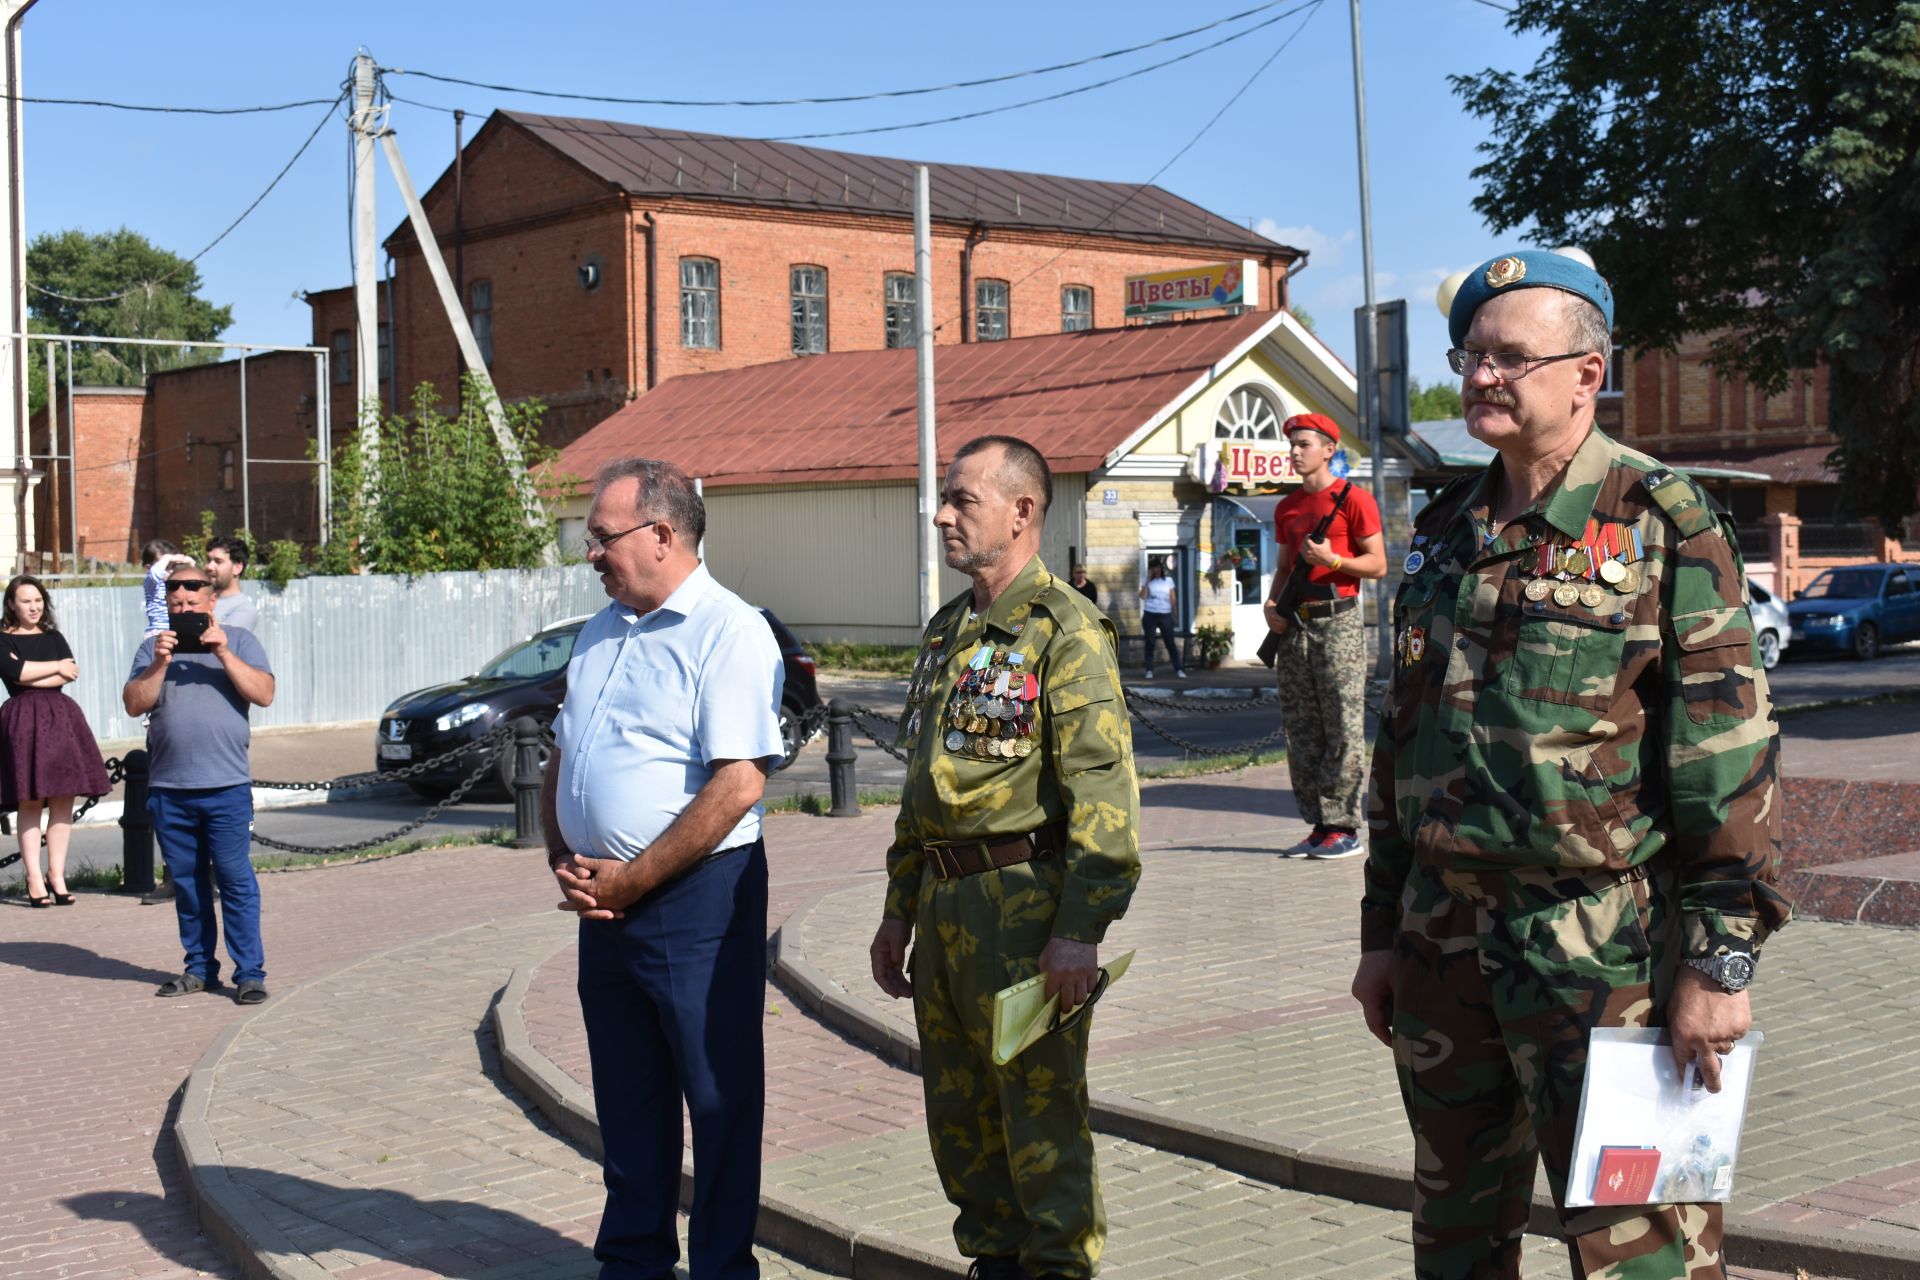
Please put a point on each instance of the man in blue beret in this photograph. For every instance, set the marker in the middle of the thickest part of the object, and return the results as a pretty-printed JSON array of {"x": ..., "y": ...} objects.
[{"x": 1574, "y": 819}]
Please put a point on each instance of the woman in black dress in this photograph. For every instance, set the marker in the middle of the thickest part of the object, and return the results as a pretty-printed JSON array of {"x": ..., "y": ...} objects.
[{"x": 47, "y": 754}]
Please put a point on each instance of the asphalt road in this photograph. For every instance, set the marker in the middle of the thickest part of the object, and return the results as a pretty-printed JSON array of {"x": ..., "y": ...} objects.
[{"x": 1207, "y": 721}]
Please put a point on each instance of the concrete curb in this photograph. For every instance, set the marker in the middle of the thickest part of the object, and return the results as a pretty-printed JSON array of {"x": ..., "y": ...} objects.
[
  {"x": 110, "y": 811},
  {"x": 795, "y": 1226},
  {"x": 1867, "y": 1253}
]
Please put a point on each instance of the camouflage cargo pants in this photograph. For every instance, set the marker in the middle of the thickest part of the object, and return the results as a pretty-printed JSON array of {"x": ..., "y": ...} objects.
[
  {"x": 1012, "y": 1144},
  {"x": 1496, "y": 987},
  {"x": 1322, "y": 672}
]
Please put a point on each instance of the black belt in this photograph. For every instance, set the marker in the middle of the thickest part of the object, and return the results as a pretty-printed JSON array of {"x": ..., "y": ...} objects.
[
  {"x": 1326, "y": 609},
  {"x": 952, "y": 859}
]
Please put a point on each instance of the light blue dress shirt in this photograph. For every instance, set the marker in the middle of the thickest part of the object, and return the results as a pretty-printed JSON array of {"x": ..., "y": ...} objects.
[{"x": 651, "y": 702}]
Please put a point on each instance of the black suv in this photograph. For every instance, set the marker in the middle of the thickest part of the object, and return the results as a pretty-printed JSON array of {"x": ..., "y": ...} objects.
[{"x": 530, "y": 679}]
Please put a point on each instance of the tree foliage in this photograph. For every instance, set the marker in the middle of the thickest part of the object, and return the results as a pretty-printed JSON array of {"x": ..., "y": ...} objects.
[
  {"x": 1433, "y": 403},
  {"x": 161, "y": 299},
  {"x": 1740, "y": 169},
  {"x": 445, "y": 499}
]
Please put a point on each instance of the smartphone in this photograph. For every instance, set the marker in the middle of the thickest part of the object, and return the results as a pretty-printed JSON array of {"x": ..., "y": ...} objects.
[{"x": 189, "y": 627}]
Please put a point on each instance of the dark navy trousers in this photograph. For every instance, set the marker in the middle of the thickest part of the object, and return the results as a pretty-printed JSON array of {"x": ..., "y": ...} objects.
[{"x": 672, "y": 998}]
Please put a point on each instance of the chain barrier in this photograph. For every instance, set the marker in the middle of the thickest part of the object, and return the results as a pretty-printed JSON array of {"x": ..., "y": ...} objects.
[
  {"x": 861, "y": 719},
  {"x": 116, "y": 774},
  {"x": 1278, "y": 735},
  {"x": 493, "y": 744},
  {"x": 350, "y": 781},
  {"x": 1210, "y": 706}
]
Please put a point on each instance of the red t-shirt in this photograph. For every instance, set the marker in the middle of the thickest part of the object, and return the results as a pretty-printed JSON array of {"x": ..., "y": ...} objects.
[{"x": 1297, "y": 514}]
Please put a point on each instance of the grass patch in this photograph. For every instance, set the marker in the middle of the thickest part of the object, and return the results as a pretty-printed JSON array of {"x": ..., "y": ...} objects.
[
  {"x": 80, "y": 880},
  {"x": 815, "y": 805},
  {"x": 1213, "y": 764},
  {"x": 875, "y": 659}
]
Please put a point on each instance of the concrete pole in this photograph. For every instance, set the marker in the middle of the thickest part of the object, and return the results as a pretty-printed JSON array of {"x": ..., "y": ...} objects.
[
  {"x": 929, "y": 455},
  {"x": 366, "y": 306},
  {"x": 13, "y": 286},
  {"x": 1369, "y": 380}
]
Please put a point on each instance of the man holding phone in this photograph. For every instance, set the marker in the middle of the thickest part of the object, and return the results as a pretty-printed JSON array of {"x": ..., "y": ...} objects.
[{"x": 198, "y": 682}]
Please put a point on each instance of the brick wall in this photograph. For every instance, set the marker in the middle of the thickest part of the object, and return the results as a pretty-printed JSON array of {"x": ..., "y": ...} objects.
[
  {"x": 196, "y": 446},
  {"x": 109, "y": 439},
  {"x": 1675, "y": 400}
]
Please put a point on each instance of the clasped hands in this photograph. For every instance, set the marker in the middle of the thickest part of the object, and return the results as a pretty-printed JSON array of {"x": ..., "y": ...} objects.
[{"x": 595, "y": 888}]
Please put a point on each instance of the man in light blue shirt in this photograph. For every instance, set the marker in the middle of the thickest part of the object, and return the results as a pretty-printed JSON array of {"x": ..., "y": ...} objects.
[{"x": 652, "y": 805}]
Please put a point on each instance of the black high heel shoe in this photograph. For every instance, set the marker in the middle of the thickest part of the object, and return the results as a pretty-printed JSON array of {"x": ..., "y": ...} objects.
[
  {"x": 45, "y": 900},
  {"x": 62, "y": 899}
]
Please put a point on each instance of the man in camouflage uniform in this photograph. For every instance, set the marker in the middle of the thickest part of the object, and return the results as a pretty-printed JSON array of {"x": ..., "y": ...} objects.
[
  {"x": 1574, "y": 817},
  {"x": 1016, "y": 847}
]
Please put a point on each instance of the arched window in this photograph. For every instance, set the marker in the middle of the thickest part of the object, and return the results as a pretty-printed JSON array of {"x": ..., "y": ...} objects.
[{"x": 1248, "y": 413}]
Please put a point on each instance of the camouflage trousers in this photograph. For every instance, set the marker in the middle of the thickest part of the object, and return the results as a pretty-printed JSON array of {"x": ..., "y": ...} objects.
[
  {"x": 1322, "y": 672},
  {"x": 1012, "y": 1144},
  {"x": 1498, "y": 979}
]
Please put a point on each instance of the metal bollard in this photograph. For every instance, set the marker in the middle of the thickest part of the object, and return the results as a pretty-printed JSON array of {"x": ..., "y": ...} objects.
[
  {"x": 136, "y": 829},
  {"x": 840, "y": 762},
  {"x": 527, "y": 769}
]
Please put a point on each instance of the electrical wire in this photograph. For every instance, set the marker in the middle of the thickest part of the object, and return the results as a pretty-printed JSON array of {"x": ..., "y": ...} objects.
[
  {"x": 167, "y": 110},
  {"x": 244, "y": 214},
  {"x": 1053, "y": 97},
  {"x": 839, "y": 98}
]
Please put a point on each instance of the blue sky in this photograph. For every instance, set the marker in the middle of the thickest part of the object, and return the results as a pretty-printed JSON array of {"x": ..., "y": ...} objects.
[{"x": 1282, "y": 157}]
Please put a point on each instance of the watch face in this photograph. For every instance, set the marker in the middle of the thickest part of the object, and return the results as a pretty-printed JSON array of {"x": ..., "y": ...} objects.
[{"x": 1736, "y": 971}]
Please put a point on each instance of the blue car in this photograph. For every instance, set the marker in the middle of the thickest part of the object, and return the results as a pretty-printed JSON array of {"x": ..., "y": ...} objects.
[{"x": 1858, "y": 608}]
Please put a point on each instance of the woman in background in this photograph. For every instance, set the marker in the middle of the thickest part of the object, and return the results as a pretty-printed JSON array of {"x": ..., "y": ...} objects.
[{"x": 47, "y": 754}]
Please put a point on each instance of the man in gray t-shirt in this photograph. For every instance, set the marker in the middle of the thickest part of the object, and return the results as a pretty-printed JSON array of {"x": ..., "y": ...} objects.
[
  {"x": 200, "y": 795},
  {"x": 226, "y": 565}
]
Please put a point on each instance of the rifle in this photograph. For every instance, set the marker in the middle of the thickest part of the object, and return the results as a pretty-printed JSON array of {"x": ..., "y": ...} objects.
[{"x": 1285, "y": 596}]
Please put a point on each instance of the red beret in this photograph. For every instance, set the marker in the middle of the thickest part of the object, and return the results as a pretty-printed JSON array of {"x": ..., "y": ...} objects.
[{"x": 1312, "y": 422}]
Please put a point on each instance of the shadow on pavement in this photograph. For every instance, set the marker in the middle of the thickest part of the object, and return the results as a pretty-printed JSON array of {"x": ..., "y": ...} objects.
[{"x": 67, "y": 960}]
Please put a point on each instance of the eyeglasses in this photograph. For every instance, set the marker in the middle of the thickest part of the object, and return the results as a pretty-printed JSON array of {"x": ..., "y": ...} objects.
[
  {"x": 188, "y": 584},
  {"x": 1508, "y": 365},
  {"x": 601, "y": 541}
]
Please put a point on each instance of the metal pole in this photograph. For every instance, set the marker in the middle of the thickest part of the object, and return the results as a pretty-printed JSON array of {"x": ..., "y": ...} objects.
[
  {"x": 841, "y": 762},
  {"x": 929, "y": 454},
  {"x": 136, "y": 829},
  {"x": 1369, "y": 380},
  {"x": 53, "y": 460},
  {"x": 527, "y": 770},
  {"x": 246, "y": 494},
  {"x": 366, "y": 380},
  {"x": 73, "y": 464},
  {"x": 323, "y": 435},
  {"x": 459, "y": 223},
  {"x": 13, "y": 275}
]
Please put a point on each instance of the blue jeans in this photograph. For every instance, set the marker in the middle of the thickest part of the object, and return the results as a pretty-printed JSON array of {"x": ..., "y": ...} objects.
[
  {"x": 207, "y": 831},
  {"x": 672, "y": 998}
]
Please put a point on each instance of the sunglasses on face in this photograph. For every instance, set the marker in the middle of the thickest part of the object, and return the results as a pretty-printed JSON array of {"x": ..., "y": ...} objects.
[{"x": 188, "y": 584}]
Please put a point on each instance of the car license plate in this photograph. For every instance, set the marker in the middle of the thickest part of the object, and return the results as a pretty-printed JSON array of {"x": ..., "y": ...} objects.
[{"x": 396, "y": 751}]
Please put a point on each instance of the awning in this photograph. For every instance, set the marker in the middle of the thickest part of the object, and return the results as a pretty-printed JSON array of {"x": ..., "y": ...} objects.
[{"x": 1258, "y": 505}]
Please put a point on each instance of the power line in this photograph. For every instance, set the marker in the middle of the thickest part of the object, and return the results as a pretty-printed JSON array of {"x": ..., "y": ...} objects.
[
  {"x": 839, "y": 98},
  {"x": 168, "y": 110},
  {"x": 1054, "y": 97},
  {"x": 244, "y": 213}
]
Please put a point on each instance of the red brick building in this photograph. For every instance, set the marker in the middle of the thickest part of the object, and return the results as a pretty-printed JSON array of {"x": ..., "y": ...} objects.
[{"x": 111, "y": 474}]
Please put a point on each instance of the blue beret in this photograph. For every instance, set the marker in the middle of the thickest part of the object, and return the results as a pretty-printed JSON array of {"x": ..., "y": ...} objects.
[{"x": 1531, "y": 268}]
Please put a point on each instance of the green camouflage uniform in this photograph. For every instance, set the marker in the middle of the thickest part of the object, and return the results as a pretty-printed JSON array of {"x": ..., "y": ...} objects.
[
  {"x": 1567, "y": 798},
  {"x": 1012, "y": 1143},
  {"x": 1322, "y": 674}
]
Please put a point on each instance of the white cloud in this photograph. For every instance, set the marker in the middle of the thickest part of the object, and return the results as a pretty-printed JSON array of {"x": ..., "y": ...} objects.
[{"x": 1324, "y": 250}]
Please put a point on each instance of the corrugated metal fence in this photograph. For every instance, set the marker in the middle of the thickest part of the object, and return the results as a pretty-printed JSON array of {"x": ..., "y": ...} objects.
[{"x": 341, "y": 648}]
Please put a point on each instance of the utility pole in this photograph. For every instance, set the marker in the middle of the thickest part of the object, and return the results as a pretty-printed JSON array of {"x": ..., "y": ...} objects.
[
  {"x": 929, "y": 455},
  {"x": 14, "y": 467},
  {"x": 1368, "y": 384},
  {"x": 367, "y": 124}
]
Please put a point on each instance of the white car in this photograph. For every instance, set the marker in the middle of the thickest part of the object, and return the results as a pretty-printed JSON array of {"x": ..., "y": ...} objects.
[{"x": 1769, "y": 623}]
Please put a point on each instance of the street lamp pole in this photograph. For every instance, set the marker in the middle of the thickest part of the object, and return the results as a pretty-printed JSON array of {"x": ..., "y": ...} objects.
[{"x": 1367, "y": 399}]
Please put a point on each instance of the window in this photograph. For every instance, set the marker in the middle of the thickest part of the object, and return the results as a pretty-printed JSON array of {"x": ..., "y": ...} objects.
[
  {"x": 1076, "y": 308},
  {"x": 700, "y": 303},
  {"x": 226, "y": 470},
  {"x": 386, "y": 352},
  {"x": 1246, "y": 414},
  {"x": 480, "y": 315},
  {"x": 809, "y": 311},
  {"x": 343, "y": 357},
  {"x": 900, "y": 322},
  {"x": 990, "y": 311},
  {"x": 1616, "y": 382}
]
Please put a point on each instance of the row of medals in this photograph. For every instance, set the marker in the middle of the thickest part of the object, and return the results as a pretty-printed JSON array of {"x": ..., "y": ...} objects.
[
  {"x": 1561, "y": 564},
  {"x": 991, "y": 711}
]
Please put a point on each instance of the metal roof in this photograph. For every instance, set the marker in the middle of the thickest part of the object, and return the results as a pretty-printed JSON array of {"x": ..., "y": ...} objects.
[
  {"x": 646, "y": 161},
  {"x": 851, "y": 416}
]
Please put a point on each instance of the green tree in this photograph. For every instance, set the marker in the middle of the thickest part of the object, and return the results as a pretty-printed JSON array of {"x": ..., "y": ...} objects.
[
  {"x": 1740, "y": 169},
  {"x": 117, "y": 284},
  {"x": 1305, "y": 317},
  {"x": 446, "y": 498},
  {"x": 1433, "y": 403}
]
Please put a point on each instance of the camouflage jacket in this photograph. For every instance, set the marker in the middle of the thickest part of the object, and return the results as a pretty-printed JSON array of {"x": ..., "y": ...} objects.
[
  {"x": 1077, "y": 770},
  {"x": 1524, "y": 729}
]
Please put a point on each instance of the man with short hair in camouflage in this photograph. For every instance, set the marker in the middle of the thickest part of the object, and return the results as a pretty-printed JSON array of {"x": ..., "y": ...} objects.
[
  {"x": 1016, "y": 847},
  {"x": 1574, "y": 815}
]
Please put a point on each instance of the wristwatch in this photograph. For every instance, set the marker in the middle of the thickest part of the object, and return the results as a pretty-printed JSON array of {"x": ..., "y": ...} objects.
[{"x": 1733, "y": 970}]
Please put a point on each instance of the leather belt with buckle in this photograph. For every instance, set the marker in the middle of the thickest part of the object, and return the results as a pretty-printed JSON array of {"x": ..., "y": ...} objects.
[
  {"x": 952, "y": 859},
  {"x": 1326, "y": 609}
]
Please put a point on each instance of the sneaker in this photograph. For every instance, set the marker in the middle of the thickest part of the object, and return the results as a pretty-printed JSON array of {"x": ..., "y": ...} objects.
[
  {"x": 1149, "y": 673},
  {"x": 1178, "y": 674},
  {"x": 1314, "y": 839},
  {"x": 1338, "y": 844}
]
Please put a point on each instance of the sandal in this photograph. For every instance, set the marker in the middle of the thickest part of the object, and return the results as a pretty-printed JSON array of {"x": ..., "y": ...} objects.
[
  {"x": 184, "y": 985},
  {"x": 64, "y": 899},
  {"x": 46, "y": 901}
]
